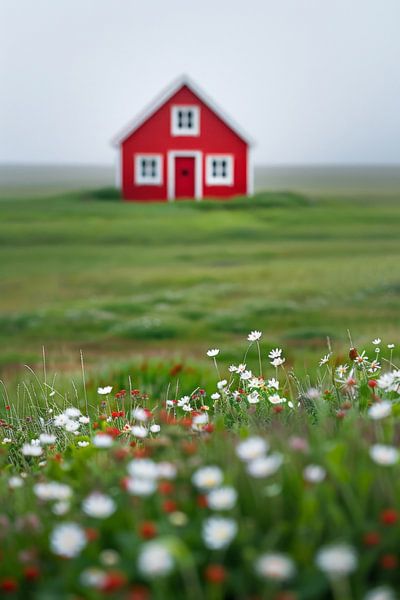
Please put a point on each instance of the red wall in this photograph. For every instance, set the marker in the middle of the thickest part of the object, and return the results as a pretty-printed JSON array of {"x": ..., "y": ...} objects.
[{"x": 154, "y": 136}]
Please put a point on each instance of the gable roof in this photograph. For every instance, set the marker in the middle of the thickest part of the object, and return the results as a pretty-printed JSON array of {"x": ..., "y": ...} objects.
[{"x": 164, "y": 96}]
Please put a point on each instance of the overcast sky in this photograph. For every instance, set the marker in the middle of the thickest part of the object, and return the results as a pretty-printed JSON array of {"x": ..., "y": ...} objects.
[{"x": 313, "y": 81}]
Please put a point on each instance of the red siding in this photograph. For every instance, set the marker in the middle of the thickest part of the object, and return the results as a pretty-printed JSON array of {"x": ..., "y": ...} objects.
[{"x": 154, "y": 136}]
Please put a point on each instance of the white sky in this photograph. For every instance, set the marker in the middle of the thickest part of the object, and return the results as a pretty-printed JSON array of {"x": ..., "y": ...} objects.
[{"x": 313, "y": 81}]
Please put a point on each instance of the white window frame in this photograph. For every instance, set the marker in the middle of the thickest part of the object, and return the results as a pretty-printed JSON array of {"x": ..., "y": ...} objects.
[
  {"x": 139, "y": 178},
  {"x": 179, "y": 131},
  {"x": 211, "y": 179}
]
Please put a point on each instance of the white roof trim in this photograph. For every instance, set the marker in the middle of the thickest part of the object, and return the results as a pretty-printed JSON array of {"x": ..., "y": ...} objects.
[{"x": 165, "y": 95}]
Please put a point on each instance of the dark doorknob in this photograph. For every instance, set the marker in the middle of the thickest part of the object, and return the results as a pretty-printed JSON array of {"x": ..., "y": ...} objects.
[{"x": 185, "y": 172}]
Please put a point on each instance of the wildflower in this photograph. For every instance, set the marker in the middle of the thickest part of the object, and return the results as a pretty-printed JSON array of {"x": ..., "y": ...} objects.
[
  {"x": 380, "y": 410},
  {"x": 361, "y": 359},
  {"x": 276, "y": 399},
  {"x": 254, "y": 336},
  {"x": 83, "y": 444},
  {"x": 383, "y": 454},
  {"x": 389, "y": 516},
  {"x": 252, "y": 448},
  {"x": 246, "y": 375},
  {"x": 273, "y": 383},
  {"x": 93, "y": 577},
  {"x": 221, "y": 384},
  {"x": 155, "y": 428},
  {"x": 140, "y": 414},
  {"x": 47, "y": 438},
  {"x": 390, "y": 382},
  {"x": 213, "y": 352},
  {"x": 166, "y": 470},
  {"x": 72, "y": 426},
  {"x": 390, "y": 346},
  {"x": 15, "y": 482},
  {"x": 72, "y": 412},
  {"x": 218, "y": 532},
  {"x": 232, "y": 369},
  {"x": 98, "y": 505},
  {"x": 31, "y": 450},
  {"x": 374, "y": 366},
  {"x": 67, "y": 539},
  {"x": 277, "y": 362},
  {"x": 140, "y": 487},
  {"x": 84, "y": 420},
  {"x": 187, "y": 408},
  {"x": 207, "y": 478},
  {"x": 337, "y": 560},
  {"x": 61, "y": 508},
  {"x": 6, "y": 440},
  {"x": 223, "y": 498},
  {"x": 103, "y": 391},
  {"x": 155, "y": 560},
  {"x": 143, "y": 468},
  {"x": 253, "y": 398},
  {"x": 376, "y": 341},
  {"x": 314, "y": 473},
  {"x": 325, "y": 359},
  {"x": 274, "y": 566},
  {"x": 215, "y": 396},
  {"x": 381, "y": 593},
  {"x": 178, "y": 519},
  {"x": 265, "y": 466},
  {"x": 139, "y": 431},
  {"x": 275, "y": 353},
  {"x": 341, "y": 371},
  {"x": 103, "y": 440},
  {"x": 52, "y": 490},
  {"x": 215, "y": 574},
  {"x": 60, "y": 420}
]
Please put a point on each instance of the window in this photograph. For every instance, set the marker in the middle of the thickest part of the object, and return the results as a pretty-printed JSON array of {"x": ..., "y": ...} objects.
[
  {"x": 185, "y": 120},
  {"x": 148, "y": 169},
  {"x": 219, "y": 169}
]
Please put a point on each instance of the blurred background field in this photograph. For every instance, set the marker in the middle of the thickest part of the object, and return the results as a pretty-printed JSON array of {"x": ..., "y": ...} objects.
[{"x": 152, "y": 287}]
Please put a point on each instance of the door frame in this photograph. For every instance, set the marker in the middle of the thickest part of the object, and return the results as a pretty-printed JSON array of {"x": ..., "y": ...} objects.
[{"x": 198, "y": 172}]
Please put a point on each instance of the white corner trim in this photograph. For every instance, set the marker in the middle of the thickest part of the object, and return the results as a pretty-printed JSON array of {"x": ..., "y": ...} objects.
[
  {"x": 118, "y": 168},
  {"x": 229, "y": 179},
  {"x": 198, "y": 172},
  {"x": 164, "y": 96},
  {"x": 139, "y": 179},
  {"x": 250, "y": 171}
]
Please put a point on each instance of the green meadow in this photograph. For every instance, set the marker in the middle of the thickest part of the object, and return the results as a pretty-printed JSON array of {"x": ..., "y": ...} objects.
[{"x": 136, "y": 284}]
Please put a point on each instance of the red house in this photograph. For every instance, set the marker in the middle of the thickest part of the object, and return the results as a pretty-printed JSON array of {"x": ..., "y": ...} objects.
[{"x": 183, "y": 146}]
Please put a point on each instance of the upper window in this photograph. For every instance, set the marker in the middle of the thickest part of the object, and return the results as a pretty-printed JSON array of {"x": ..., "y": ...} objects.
[
  {"x": 185, "y": 120},
  {"x": 219, "y": 169},
  {"x": 148, "y": 169}
]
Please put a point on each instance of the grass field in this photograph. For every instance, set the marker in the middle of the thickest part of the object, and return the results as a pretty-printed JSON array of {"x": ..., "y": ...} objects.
[{"x": 82, "y": 270}]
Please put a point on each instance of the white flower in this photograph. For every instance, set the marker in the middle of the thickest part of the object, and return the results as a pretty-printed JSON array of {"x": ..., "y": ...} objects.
[
  {"x": 72, "y": 426},
  {"x": 221, "y": 384},
  {"x": 6, "y": 440},
  {"x": 254, "y": 336},
  {"x": 184, "y": 400},
  {"x": 103, "y": 440},
  {"x": 166, "y": 470},
  {"x": 31, "y": 450},
  {"x": 273, "y": 383},
  {"x": 361, "y": 359},
  {"x": 61, "y": 508},
  {"x": 140, "y": 487},
  {"x": 60, "y": 420},
  {"x": 383, "y": 454},
  {"x": 256, "y": 382},
  {"x": 207, "y": 478},
  {"x": 374, "y": 366},
  {"x": 47, "y": 438},
  {"x": 98, "y": 505},
  {"x": 15, "y": 482},
  {"x": 139, "y": 431},
  {"x": 93, "y": 577},
  {"x": 276, "y": 399},
  {"x": 155, "y": 560},
  {"x": 337, "y": 560},
  {"x": 325, "y": 359},
  {"x": 376, "y": 341},
  {"x": 233, "y": 369},
  {"x": 390, "y": 382},
  {"x": 277, "y": 362},
  {"x": 143, "y": 468},
  {"x": 213, "y": 352},
  {"x": 251, "y": 448},
  {"x": 155, "y": 428},
  {"x": 314, "y": 473},
  {"x": 275, "y": 566},
  {"x": 341, "y": 371},
  {"x": 380, "y": 593},
  {"x": 84, "y": 420},
  {"x": 253, "y": 398},
  {"x": 380, "y": 410},
  {"x": 52, "y": 490},
  {"x": 140, "y": 414},
  {"x": 103, "y": 391},
  {"x": 245, "y": 375},
  {"x": 218, "y": 532},
  {"x": 67, "y": 539},
  {"x": 264, "y": 466},
  {"x": 390, "y": 346},
  {"x": 72, "y": 412},
  {"x": 187, "y": 408},
  {"x": 83, "y": 444},
  {"x": 223, "y": 498},
  {"x": 275, "y": 353}
]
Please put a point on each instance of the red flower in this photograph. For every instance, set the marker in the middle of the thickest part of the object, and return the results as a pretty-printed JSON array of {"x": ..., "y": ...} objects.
[
  {"x": 389, "y": 516},
  {"x": 114, "y": 580},
  {"x": 371, "y": 538},
  {"x": 165, "y": 488},
  {"x": 135, "y": 392},
  {"x": 138, "y": 592},
  {"x": 340, "y": 414},
  {"x": 8, "y": 584},
  {"x": 202, "y": 501},
  {"x": 31, "y": 572},
  {"x": 8, "y": 407},
  {"x": 215, "y": 574},
  {"x": 372, "y": 383},
  {"x": 147, "y": 530},
  {"x": 175, "y": 369},
  {"x": 388, "y": 561},
  {"x": 189, "y": 447},
  {"x": 91, "y": 534},
  {"x": 209, "y": 428},
  {"x": 278, "y": 409},
  {"x": 169, "y": 506}
]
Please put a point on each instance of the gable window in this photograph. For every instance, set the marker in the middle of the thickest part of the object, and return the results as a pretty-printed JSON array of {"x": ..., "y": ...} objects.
[
  {"x": 219, "y": 169},
  {"x": 148, "y": 169},
  {"x": 185, "y": 120}
]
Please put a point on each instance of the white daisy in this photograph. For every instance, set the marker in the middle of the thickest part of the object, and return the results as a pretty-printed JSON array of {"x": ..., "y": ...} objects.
[
  {"x": 67, "y": 539},
  {"x": 380, "y": 410},
  {"x": 336, "y": 560},
  {"x": 254, "y": 336},
  {"x": 383, "y": 454},
  {"x": 207, "y": 478},
  {"x": 275, "y": 566},
  {"x": 98, "y": 505},
  {"x": 223, "y": 498},
  {"x": 213, "y": 352},
  {"x": 155, "y": 560},
  {"x": 218, "y": 532},
  {"x": 103, "y": 391}
]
